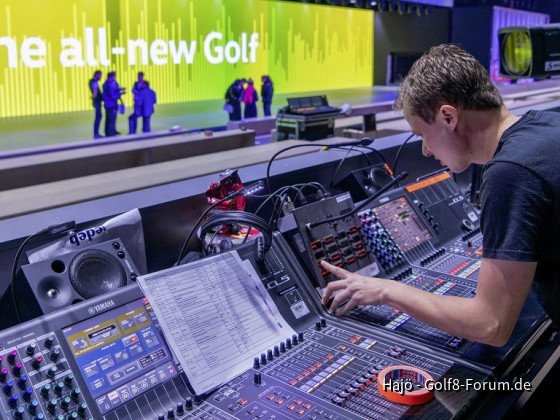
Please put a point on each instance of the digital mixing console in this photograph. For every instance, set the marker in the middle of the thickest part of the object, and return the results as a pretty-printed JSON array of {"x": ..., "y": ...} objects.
[{"x": 108, "y": 357}]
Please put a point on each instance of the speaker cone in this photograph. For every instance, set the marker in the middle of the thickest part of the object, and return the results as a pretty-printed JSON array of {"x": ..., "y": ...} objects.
[{"x": 93, "y": 272}]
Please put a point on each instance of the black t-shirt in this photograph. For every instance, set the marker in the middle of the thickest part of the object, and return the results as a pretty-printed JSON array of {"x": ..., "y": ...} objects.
[{"x": 521, "y": 202}]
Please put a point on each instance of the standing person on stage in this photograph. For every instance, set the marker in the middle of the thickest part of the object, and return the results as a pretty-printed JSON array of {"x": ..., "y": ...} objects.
[
  {"x": 112, "y": 93},
  {"x": 267, "y": 90},
  {"x": 148, "y": 99},
  {"x": 449, "y": 100},
  {"x": 250, "y": 98},
  {"x": 233, "y": 98},
  {"x": 137, "y": 106},
  {"x": 96, "y": 99}
]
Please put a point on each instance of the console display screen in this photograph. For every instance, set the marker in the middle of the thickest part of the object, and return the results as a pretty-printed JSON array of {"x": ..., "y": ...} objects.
[
  {"x": 402, "y": 223},
  {"x": 120, "y": 353}
]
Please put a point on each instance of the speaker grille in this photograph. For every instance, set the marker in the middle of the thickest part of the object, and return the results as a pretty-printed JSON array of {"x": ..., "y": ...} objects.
[{"x": 93, "y": 272}]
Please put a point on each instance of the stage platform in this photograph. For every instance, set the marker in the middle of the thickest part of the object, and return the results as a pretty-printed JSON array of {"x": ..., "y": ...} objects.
[{"x": 44, "y": 130}]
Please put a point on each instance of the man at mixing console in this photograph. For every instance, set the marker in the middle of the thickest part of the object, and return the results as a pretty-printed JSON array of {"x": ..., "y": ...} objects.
[{"x": 449, "y": 100}]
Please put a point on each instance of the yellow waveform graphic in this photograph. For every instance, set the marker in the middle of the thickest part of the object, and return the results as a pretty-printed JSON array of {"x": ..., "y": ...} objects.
[{"x": 189, "y": 50}]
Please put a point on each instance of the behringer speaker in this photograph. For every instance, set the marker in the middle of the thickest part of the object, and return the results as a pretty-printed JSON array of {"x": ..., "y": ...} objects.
[{"x": 58, "y": 282}]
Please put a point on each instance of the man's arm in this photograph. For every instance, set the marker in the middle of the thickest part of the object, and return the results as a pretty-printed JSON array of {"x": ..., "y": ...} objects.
[{"x": 487, "y": 318}]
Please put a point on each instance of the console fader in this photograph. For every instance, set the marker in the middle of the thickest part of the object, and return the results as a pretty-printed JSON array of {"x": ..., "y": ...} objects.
[{"x": 106, "y": 358}]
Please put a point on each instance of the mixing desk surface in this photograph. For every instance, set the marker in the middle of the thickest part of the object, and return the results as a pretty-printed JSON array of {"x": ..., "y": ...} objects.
[{"x": 110, "y": 357}]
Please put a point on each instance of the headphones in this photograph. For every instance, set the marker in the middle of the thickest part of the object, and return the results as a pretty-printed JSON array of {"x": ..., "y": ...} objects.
[{"x": 231, "y": 219}]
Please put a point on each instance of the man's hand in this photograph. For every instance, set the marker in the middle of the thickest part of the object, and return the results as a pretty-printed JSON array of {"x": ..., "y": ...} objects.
[{"x": 353, "y": 288}]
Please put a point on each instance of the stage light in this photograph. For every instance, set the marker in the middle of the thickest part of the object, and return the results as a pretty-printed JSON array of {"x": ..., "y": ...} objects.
[
  {"x": 400, "y": 8},
  {"x": 418, "y": 10}
]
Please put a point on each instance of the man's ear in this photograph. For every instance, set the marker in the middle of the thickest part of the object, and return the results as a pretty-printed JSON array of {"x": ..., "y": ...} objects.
[{"x": 449, "y": 115}]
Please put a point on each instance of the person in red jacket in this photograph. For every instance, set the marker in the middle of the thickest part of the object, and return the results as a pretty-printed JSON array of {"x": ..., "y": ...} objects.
[{"x": 250, "y": 98}]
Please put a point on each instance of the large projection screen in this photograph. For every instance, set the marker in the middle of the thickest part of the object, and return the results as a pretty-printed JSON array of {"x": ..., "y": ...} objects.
[{"x": 189, "y": 50}]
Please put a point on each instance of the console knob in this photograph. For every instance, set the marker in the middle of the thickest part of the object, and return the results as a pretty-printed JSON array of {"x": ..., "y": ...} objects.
[
  {"x": 22, "y": 382},
  {"x": 300, "y": 336},
  {"x": 54, "y": 355},
  {"x": 39, "y": 416},
  {"x": 26, "y": 394},
  {"x": 323, "y": 322},
  {"x": 16, "y": 370},
  {"x": 170, "y": 413},
  {"x": 161, "y": 417},
  {"x": 318, "y": 325},
  {"x": 65, "y": 402},
  {"x": 188, "y": 403},
  {"x": 45, "y": 390},
  {"x": 31, "y": 349},
  {"x": 49, "y": 341},
  {"x": 12, "y": 357},
  {"x": 36, "y": 363},
  {"x": 13, "y": 400},
  {"x": 18, "y": 413},
  {"x": 72, "y": 416},
  {"x": 51, "y": 405},
  {"x": 7, "y": 388},
  {"x": 282, "y": 347},
  {"x": 294, "y": 339},
  {"x": 69, "y": 378},
  {"x": 75, "y": 394},
  {"x": 269, "y": 355},
  {"x": 257, "y": 379},
  {"x": 180, "y": 409},
  {"x": 58, "y": 388},
  {"x": 276, "y": 351},
  {"x": 256, "y": 363},
  {"x": 82, "y": 408},
  {"x": 263, "y": 359},
  {"x": 32, "y": 406},
  {"x": 288, "y": 343},
  {"x": 3, "y": 374},
  {"x": 52, "y": 371}
]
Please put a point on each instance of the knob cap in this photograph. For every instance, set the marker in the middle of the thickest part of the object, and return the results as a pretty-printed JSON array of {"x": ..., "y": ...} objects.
[
  {"x": 52, "y": 371},
  {"x": 54, "y": 355},
  {"x": 36, "y": 363},
  {"x": 188, "y": 403},
  {"x": 12, "y": 357},
  {"x": 49, "y": 341},
  {"x": 13, "y": 400},
  {"x": 257, "y": 378}
]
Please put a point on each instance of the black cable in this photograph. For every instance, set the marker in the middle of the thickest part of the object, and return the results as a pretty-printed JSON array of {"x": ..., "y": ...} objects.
[
  {"x": 399, "y": 152},
  {"x": 51, "y": 230},
  {"x": 234, "y": 194},
  {"x": 363, "y": 142},
  {"x": 338, "y": 167}
]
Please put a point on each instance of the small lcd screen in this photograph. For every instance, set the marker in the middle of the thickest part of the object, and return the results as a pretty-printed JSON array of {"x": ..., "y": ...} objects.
[
  {"x": 120, "y": 353},
  {"x": 402, "y": 223}
]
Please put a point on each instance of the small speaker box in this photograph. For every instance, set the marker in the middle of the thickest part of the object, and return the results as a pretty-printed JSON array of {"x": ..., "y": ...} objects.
[{"x": 58, "y": 282}]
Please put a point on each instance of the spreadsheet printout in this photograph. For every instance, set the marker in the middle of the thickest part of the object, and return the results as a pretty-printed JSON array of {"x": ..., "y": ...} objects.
[{"x": 216, "y": 316}]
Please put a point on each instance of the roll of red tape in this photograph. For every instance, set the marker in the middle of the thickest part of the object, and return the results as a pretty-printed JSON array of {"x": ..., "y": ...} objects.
[{"x": 392, "y": 384}]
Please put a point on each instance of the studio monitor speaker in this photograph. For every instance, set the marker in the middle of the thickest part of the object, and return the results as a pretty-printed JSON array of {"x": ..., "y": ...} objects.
[
  {"x": 365, "y": 182},
  {"x": 58, "y": 282}
]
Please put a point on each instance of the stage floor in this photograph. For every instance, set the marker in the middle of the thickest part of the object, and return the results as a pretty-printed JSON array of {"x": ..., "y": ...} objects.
[{"x": 42, "y": 130}]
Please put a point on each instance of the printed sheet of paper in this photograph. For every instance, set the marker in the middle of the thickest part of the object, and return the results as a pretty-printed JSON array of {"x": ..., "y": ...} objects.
[{"x": 216, "y": 315}]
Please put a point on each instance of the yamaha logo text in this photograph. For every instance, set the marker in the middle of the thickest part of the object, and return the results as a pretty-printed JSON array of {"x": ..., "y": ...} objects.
[{"x": 101, "y": 307}]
